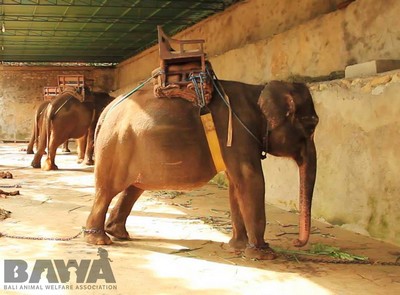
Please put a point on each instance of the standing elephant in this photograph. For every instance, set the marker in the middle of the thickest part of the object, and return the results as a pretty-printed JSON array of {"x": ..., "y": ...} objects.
[
  {"x": 37, "y": 122},
  {"x": 148, "y": 143},
  {"x": 69, "y": 117}
]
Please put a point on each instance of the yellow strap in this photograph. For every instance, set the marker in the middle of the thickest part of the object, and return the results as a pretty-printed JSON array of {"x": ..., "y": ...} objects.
[
  {"x": 213, "y": 143},
  {"x": 230, "y": 128}
]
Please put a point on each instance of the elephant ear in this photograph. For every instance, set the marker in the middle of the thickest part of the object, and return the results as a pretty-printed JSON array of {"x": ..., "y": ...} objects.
[
  {"x": 277, "y": 103},
  {"x": 305, "y": 111}
]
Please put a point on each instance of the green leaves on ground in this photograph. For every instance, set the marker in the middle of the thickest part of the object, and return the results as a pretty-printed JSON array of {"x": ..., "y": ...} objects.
[
  {"x": 335, "y": 252},
  {"x": 322, "y": 249}
]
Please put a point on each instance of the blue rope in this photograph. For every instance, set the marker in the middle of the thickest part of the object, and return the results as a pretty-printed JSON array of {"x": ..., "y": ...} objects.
[{"x": 134, "y": 90}]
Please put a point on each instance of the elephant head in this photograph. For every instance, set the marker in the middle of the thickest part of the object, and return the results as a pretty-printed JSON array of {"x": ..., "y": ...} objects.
[{"x": 290, "y": 120}]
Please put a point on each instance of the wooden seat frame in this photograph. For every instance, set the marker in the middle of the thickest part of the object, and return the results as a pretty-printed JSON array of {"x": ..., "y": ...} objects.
[{"x": 173, "y": 51}]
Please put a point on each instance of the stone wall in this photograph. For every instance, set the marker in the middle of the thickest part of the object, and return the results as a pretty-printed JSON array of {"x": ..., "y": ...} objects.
[
  {"x": 249, "y": 22},
  {"x": 21, "y": 92}
]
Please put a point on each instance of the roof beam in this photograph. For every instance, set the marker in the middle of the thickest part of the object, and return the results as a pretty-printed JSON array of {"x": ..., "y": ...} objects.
[
  {"x": 203, "y": 5},
  {"x": 87, "y": 19}
]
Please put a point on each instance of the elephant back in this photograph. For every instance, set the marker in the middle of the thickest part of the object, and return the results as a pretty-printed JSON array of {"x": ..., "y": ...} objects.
[
  {"x": 63, "y": 101},
  {"x": 101, "y": 100}
]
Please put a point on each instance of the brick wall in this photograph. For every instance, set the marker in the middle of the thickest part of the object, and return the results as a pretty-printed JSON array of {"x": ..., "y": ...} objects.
[{"x": 21, "y": 91}]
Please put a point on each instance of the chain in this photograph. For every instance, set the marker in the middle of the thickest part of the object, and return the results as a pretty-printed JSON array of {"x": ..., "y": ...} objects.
[
  {"x": 340, "y": 261},
  {"x": 11, "y": 186},
  {"x": 286, "y": 256},
  {"x": 83, "y": 230}
]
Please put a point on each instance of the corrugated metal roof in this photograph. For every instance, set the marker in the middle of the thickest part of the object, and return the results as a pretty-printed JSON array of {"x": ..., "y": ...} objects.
[{"x": 92, "y": 31}]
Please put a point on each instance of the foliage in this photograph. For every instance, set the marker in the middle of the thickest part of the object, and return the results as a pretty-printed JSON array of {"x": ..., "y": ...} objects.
[{"x": 322, "y": 249}]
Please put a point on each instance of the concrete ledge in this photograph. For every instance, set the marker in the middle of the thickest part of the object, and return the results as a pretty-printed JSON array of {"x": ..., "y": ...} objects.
[{"x": 371, "y": 68}]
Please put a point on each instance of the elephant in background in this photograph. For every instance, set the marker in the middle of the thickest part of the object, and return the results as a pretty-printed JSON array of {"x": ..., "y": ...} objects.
[
  {"x": 37, "y": 122},
  {"x": 143, "y": 132},
  {"x": 67, "y": 116}
]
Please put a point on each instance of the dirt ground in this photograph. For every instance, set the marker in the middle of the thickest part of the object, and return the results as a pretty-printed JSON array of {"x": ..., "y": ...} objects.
[{"x": 178, "y": 241}]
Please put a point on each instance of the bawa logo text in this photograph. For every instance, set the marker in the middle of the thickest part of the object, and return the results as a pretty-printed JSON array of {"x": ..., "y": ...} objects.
[{"x": 58, "y": 271}]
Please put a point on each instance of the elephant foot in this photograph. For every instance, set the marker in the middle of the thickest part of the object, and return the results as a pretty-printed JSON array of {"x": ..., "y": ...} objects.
[
  {"x": 66, "y": 150},
  {"x": 117, "y": 230},
  {"x": 96, "y": 237},
  {"x": 79, "y": 161},
  {"x": 29, "y": 152},
  {"x": 260, "y": 253},
  {"x": 89, "y": 162},
  {"x": 237, "y": 245},
  {"x": 49, "y": 166},
  {"x": 35, "y": 165}
]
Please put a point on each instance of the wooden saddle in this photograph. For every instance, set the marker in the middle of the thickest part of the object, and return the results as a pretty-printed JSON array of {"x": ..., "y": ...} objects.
[{"x": 182, "y": 71}]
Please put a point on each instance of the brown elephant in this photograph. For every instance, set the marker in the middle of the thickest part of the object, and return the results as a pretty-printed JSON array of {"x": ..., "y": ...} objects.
[
  {"x": 37, "y": 122},
  {"x": 147, "y": 143},
  {"x": 67, "y": 116}
]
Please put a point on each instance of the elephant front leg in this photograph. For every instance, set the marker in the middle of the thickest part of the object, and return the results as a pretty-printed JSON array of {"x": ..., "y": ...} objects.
[
  {"x": 249, "y": 191},
  {"x": 89, "y": 147},
  {"x": 81, "y": 147},
  {"x": 239, "y": 240},
  {"x": 94, "y": 232},
  {"x": 115, "y": 225}
]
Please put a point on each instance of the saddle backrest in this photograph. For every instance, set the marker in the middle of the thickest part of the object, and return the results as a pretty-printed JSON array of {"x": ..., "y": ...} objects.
[
  {"x": 174, "y": 53},
  {"x": 50, "y": 92},
  {"x": 76, "y": 81}
]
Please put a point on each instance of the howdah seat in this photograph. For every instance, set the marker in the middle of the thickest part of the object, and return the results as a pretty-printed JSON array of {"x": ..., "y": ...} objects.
[
  {"x": 182, "y": 71},
  {"x": 175, "y": 52}
]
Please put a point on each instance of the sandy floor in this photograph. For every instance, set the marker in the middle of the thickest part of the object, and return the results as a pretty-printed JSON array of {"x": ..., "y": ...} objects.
[{"x": 179, "y": 241}]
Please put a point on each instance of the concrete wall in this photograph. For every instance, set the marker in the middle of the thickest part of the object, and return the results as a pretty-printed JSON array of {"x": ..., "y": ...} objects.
[
  {"x": 249, "y": 22},
  {"x": 259, "y": 40},
  {"x": 21, "y": 92}
]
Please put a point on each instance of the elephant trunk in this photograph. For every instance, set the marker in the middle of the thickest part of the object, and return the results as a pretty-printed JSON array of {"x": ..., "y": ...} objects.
[{"x": 307, "y": 172}]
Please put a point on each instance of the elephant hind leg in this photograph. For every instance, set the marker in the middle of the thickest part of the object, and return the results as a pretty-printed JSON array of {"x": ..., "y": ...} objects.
[
  {"x": 29, "y": 149},
  {"x": 65, "y": 148},
  {"x": 95, "y": 233},
  {"x": 115, "y": 225},
  {"x": 49, "y": 164},
  {"x": 41, "y": 150}
]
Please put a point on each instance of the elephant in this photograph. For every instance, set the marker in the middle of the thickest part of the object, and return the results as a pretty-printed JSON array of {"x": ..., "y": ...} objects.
[
  {"x": 149, "y": 143},
  {"x": 37, "y": 122},
  {"x": 69, "y": 117}
]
